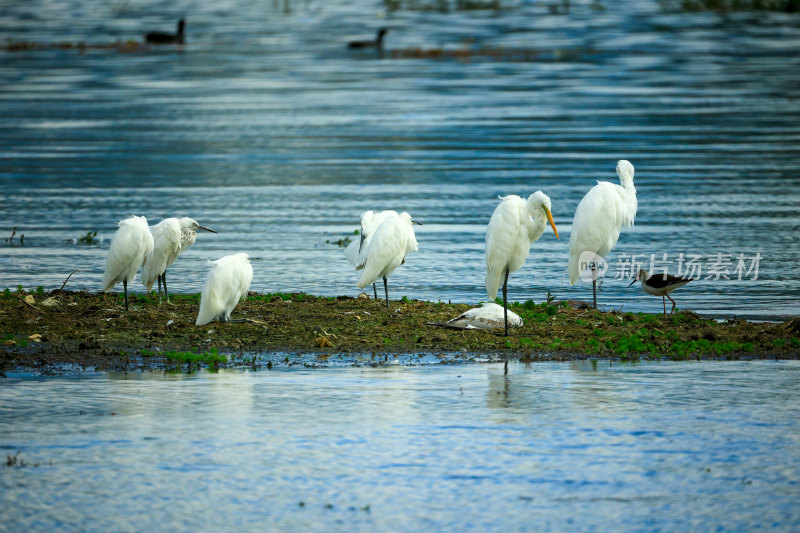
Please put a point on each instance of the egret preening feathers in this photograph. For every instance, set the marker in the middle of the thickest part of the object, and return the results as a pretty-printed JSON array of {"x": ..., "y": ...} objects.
[
  {"x": 227, "y": 283},
  {"x": 388, "y": 246},
  {"x": 509, "y": 236},
  {"x": 600, "y": 216},
  {"x": 356, "y": 251},
  {"x": 130, "y": 247},
  {"x": 171, "y": 236}
]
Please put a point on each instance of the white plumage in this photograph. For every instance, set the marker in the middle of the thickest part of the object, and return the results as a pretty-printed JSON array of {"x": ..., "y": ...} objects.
[
  {"x": 130, "y": 246},
  {"x": 488, "y": 316},
  {"x": 509, "y": 236},
  {"x": 227, "y": 283},
  {"x": 171, "y": 236},
  {"x": 356, "y": 251},
  {"x": 600, "y": 216},
  {"x": 166, "y": 247},
  {"x": 389, "y": 244}
]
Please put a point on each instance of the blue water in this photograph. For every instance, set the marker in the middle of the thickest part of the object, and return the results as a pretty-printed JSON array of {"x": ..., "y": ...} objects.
[
  {"x": 266, "y": 128},
  {"x": 547, "y": 447}
]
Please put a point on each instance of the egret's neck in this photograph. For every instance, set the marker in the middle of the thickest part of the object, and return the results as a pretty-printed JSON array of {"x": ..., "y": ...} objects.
[
  {"x": 626, "y": 181},
  {"x": 539, "y": 224}
]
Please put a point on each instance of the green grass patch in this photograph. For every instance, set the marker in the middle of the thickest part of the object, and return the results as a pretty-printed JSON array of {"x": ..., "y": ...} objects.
[{"x": 212, "y": 358}]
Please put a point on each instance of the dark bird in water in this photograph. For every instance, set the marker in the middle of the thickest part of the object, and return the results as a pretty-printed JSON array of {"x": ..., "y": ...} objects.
[
  {"x": 160, "y": 37},
  {"x": 377, "y": 43},
  {"x": 660, "y": 285}
]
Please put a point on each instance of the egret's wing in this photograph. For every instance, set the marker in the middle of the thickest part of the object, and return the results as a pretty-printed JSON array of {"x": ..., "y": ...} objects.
[
  {"x": 507, "y": 245},
  {"x": 131, "y": 244},
  {"x": 166, "y": 247},
  {"x": 227, "y": 282},
  {"x": 385, "y": 250},
  {"x": 599, "y": 217}
]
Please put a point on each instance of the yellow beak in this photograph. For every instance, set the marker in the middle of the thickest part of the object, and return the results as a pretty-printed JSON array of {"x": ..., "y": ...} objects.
[{"x": 550, "y": 219}]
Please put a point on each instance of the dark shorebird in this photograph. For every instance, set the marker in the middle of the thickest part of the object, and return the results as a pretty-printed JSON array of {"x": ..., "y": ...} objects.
[
  {"x": 160, "y": 37},
  {"x": 660, "y": 285},
  {"x": 377, "y": 43}
]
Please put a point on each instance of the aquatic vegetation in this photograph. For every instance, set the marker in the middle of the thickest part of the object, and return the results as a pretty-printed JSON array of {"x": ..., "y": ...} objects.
[{"x": 89, "y": 238}]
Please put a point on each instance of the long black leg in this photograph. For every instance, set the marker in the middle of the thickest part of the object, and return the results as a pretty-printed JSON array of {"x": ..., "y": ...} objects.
[
  {"x": 159, "y": 289},
  {"x": 386, "y": 288},
  {"x": 594, "y": 285},
  {"x": 164, "y": 279},
  {"x": 125, "y": 286},
  {"x": 664, "y": 301},
  {"x": 375, "y": 290},
  {"x": 505, "y": 301}
]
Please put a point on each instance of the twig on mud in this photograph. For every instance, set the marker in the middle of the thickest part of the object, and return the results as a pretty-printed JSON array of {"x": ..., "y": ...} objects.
[
  {"x": 30, "y": 304},
  {"x": 249, "y": 321},
  {"x": 66, "y": 280}
]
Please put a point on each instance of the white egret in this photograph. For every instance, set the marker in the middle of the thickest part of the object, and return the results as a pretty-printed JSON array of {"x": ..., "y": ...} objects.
[
  {"x": 227, "y": 283},
  {"x": 391, "y": 241},
  {"x": 160, "y": 37},
  {"x": 660, "y": 285},
  {"x": 131, "y": 245},
  {"x": 171, "y": 236},
  {"x": 600, "y": 216},
  {"x": 356, "y": 251},
  {"x": 509, "y": 237},
  {"x": 488, "y": 316}
]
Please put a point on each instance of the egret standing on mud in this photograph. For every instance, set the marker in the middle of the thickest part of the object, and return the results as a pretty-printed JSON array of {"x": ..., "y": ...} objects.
[
  {"x": 356, "y": 251},
  {"x": 227, "y": 283},
  {"x": 171, "y": 236},
  {"x": 600, "y": 216},
  {"x": 391, "y": 241},
  {"x": 509, "y": 236},
  {"x": 130, "y": 247}
]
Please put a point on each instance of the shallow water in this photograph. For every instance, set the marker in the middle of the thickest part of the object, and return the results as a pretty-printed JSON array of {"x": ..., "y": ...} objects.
[
  {"x": 554, "y": 446},
  {"x": 267, "y": 129}
]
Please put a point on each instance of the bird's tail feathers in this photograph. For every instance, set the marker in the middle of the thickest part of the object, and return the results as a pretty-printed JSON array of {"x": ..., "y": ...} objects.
[{"x": 493, "y": 283}]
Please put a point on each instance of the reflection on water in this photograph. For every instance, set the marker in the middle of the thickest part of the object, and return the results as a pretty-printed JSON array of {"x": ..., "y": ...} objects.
[
  {"x": 687, "y": 446},
  {"x": 266, "y": 128}
]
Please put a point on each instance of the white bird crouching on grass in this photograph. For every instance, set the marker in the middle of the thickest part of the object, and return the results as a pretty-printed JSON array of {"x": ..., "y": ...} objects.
[
  {"x": 391, "y": 242},
  {"x": 131, "y": 246},
  {"x": 227, "y": 283},
  {"x": 599, "y": 217},
  {"x": 509, "y": 237},
  {"x": 488, "y": 316}
]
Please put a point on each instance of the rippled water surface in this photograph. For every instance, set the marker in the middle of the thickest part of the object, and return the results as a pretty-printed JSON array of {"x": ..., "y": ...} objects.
[
  {"x": 266, "y": 128},
  {"x": 547, "y": 447}
]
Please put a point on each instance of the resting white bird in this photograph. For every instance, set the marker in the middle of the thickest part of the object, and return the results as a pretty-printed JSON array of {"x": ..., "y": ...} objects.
[
  {"x": 509, "y": 236},
  {"x": 390, "y": 243},
  {"x": 599, "y": 218},
  {"x": 171, "y": 236},
  {"x": 356, "y": 251},
  {"x": 227, "y": 283},
  {"x": 488, "y": 316},
  {"x": 130, "y": 246}
]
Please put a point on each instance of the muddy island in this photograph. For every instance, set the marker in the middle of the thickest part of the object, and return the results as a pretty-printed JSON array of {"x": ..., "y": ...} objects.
[{"x": 47, "y": 331}]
